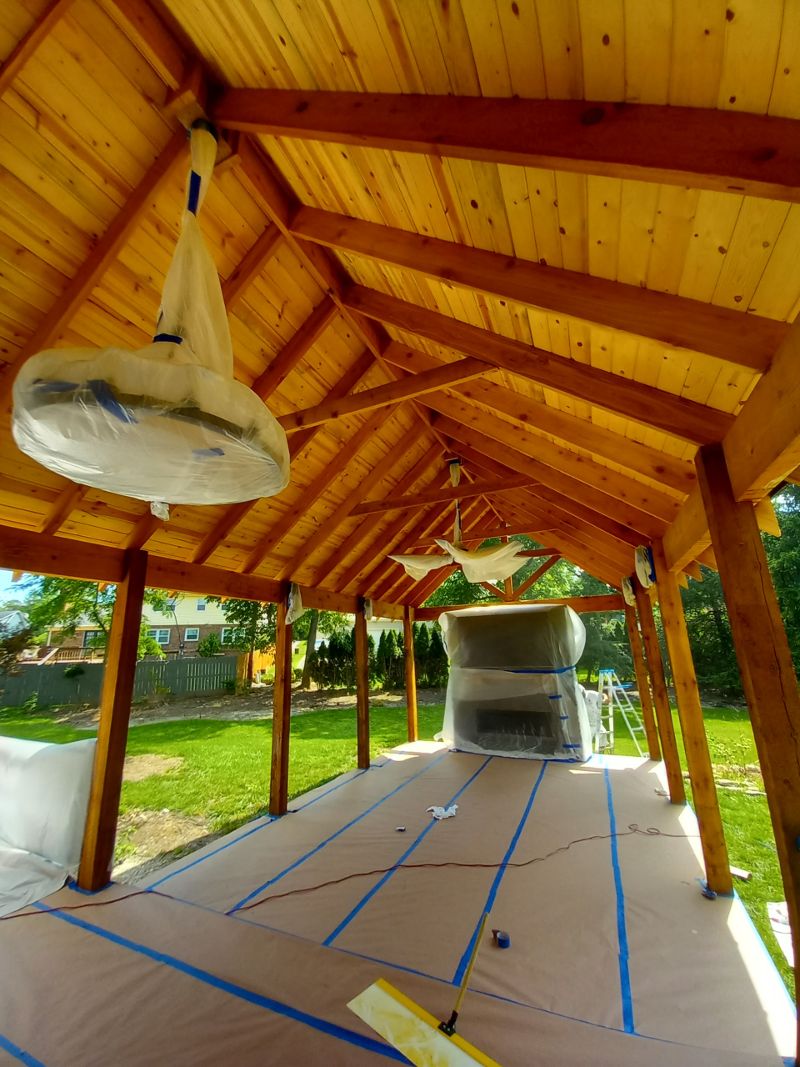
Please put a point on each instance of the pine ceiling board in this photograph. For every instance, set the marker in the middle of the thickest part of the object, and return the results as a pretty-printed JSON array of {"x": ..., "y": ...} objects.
[
  {"x": 697, "y": 53},
  {"x": 559, "y": 27},
  {"x": 48, "y": 228},
  {"x": 603, "y": 49},
  {"x": 637, "y": 218},
  {"x": 757, "y": 229},
  {"x": 672, "y": 234},
  {"x": 426, "y": 69},
  {"x": 451, "y": 31},
  {"x": 648, "y": 50},
  {"x": 752, "y": 36},
  {"x": 523, "y": 46},
  {"x": 18, "y": 18},
  {"x": 28, "y": 277},
  {"x": 514, "y": 184},
  {"x": 715, "y": 219},
  {"x": 778, "y": 289},
  {"x": 478, "y": 194},
  {"x": 786, "y": 83},
  {"x": 603, "y": 198},
  {"x": 488, "y": 46}
]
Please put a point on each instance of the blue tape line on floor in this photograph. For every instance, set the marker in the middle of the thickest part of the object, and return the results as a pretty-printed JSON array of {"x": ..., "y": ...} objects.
[
  {"x": 307, "y": 855},
  {"x": 341, "y": 1033},
  {"x": 418, "y": 840},
  {"x": 253, "y": 830},
  {"x": 498, "y": 878},
  {"x": 622, "y": 929},
  {"x": 19, "y": 1053}
]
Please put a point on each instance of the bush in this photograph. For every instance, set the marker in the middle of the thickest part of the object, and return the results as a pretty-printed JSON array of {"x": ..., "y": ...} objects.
[
  {"x": 74, "y": 671},
  {"x": 32, "y": 703},
  {"x": 209, "y": 646}
]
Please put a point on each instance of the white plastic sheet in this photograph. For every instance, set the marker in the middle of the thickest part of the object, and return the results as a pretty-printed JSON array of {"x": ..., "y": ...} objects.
[
  {"x": 168, "y": 422},
  {"x": 486, "y": 564}
]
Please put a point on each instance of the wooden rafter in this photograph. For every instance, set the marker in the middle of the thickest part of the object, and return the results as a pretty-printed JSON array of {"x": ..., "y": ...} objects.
[
  {"x": 250, "y": 266},
  {"x": 532, "y": 579},
  {"x": 31, "y": 41},
  {"x": 747, "y": 340},
  {"x": 674, "y": 415},
  {"x": 295, "y": 348},
  {"x": 461, "y": 492},
  {"x": 64, "y": 503},
  {"x": 146, "y": 31},
  {"x": 671, "y": 474},
  {"x": 385, "y": 395},
  {"x": 751, "y": 155}
]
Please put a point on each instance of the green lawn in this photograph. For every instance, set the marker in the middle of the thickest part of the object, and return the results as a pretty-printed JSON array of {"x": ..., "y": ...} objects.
[{"x": 225, "y": 775}]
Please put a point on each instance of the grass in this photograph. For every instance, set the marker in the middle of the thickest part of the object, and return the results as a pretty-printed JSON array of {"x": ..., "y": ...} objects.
[{"x": 225, "y": 776}]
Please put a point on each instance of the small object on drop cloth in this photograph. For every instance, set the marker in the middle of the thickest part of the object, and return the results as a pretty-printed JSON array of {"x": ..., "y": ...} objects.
[
  {"x": 501, "y": 938},
  {"x": 443, "y": 813},
  {"x": 743, "y": 876},
  {"x": 400, "y": 829},
  {"x": 779, "y": 921}
]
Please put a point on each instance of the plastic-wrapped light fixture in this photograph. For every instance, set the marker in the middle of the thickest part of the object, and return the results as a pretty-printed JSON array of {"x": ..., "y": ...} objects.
[{"x": 168, "y": 422}]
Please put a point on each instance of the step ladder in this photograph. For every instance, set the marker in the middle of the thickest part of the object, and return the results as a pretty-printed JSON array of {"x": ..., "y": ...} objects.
[{"x": 610, "y": 686}]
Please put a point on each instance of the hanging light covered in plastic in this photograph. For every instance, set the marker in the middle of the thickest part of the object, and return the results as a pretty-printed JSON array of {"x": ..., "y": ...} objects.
[{"x": 167, "y": 423}]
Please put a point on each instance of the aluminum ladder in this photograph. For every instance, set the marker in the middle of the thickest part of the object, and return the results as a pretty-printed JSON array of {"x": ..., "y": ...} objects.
[{"x": 609, "y": 685}]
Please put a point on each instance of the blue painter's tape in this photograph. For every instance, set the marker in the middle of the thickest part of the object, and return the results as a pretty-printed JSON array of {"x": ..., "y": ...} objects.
[
  {"x": 307, "y": 855},
  {"x": 106, "y": 398},
  {"x": 86, "y": 892},
  {"x": 194, "y": 192},
  {"x": 417, "y": 841},
  {"x": 622, "y": 929},
  {"x": 555, "y": 696},
  {"x": 252, "y": 830},
  {"x": 172, "y": 338},
  {"x": 42, "y": 386},
  {"x": 208, "y": 453},
  {"x": 19, "y": 1053},
  {"x": 498, "y": 878},
  {"x": 341, "y": 1033},
  {"x": 571, "y": 746}
]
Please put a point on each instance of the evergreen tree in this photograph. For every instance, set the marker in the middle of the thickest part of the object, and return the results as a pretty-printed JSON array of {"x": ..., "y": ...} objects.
[{"x": 422, "y": 646}]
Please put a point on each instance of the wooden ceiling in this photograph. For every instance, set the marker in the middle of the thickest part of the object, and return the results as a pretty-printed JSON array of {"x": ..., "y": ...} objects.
[{"x": 433, "y": 242}]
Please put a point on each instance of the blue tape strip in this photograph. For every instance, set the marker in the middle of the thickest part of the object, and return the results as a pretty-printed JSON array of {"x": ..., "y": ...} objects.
[
  {"x": 556, "y": 696},
  {"x": 252, "y": 830},
  {"x": 194, "y": 192},
  {"x": 105, "y": 397},
  {"x": 269, "y": 1003},
  {"x": 42, "y": 386},
  {"x": 498, "y": 878},
  {"x": 332, "y": 837},
  {"x": 19, "y": 1053},
  {"x": 622, "y": 929},
  {"x": 417, "y": 841},
  {"x": 173, "y": 338}
]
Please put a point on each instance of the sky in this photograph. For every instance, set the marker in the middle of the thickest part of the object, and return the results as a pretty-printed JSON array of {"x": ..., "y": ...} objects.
[{"x": 9, "y": 590}]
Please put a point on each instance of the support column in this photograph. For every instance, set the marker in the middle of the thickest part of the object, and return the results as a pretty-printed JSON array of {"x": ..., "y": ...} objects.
[
  {"x": 281, "y": 711},
  {"x": 666, "y": 730},
  {"x": 362, "y": 686},
  {"x": 411, "y": 672},
  {"x": 765, "y": 662},
  {"x": 642, "y": 683},
  {"x": 115, "y": 711},
  {"x": 695, "y": 742}
]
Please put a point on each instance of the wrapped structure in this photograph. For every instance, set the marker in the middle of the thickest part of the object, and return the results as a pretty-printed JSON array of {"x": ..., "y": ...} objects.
[
  {"x": 167, "y": 422},
  {"x": 512, "y": 689}
]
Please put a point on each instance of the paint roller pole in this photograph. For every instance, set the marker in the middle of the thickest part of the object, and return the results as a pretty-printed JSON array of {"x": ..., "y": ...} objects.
[{"x": 449, "y": 1027}]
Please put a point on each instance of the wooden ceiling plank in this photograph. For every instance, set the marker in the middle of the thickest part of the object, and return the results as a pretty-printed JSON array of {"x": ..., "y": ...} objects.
[
  {"x": 384, "y": 395},
  {"x": 746, "y": 340},
  {"x": 99, "y": 259},
  {"x": 461, "y": 492},
  {"x": 674, "y": 415},
  {"x": 751, "y": 155},
  {"x": 250, "y": 266},
  {"x": 673, "y": 474},
  {"x": 26, "y": 47},
  {"x": 146, "y": 31}
]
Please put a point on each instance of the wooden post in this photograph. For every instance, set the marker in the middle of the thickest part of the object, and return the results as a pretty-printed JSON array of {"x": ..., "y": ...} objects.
[
  {"x": 115, "y": 710},
  {"x": 281, "y": 711},
  {"x": 642, "y": 683},
  {"x": 411, "y": 672},
  {"x": 765, "y": 662},
  {"x": 362, "y": 686},
  {"x": 695, "y": 742},
  {"x": 666, "y": 730}
]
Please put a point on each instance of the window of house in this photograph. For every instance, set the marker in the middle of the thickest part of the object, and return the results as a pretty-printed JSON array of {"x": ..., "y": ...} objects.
[
  {"x": 93, "y": 638},
  {"x": 192, "y": 633},
  {"x": 227, "y": 635},
  {"x": 161, "y": 636},
  {"x": 201, "y": 606}
]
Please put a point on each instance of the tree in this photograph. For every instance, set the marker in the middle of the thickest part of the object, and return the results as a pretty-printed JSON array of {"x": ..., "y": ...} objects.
[
  {"x": 252, "y": 626},
  {"x": 12, "y": 642},
  {"x": 209, "y": 646}
]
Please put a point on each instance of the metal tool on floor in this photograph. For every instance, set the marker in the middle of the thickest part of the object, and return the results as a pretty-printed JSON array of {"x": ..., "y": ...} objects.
[{"x": 409, "y": 1028}]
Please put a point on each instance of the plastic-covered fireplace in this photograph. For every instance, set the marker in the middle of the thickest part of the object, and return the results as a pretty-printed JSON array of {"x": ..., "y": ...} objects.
[{"x": 513, "y": 690}]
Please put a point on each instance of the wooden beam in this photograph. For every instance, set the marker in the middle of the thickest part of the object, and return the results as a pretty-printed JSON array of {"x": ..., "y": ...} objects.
[
  {"x": 663, "y": 712},
  {"x": 410, "y": 673},
  {"x": 434, "y": 496},
  {"x": 385, "y": 395},
  {"x": 28, "y": 45},
  {"x": 642, "y": 683},
  {"x": 745, "y": 340},
  {"x": 362, "y": 687},
  {"x": 63, "y": 505},
  {"x": 97, "y": 855},
  {"x": 765, "y": 663},
  {"x": 695, "y": 742},
  {"x": 99, "y": 259},
  {"x": 281, "y": 711},
  {"x": 62, "y": 557},
  {"x": 675, "y": 476},
  {"x": 250, "y": 266},
  {"x": 761, "y": 449},
  {"x": 751, "y": 155},
  {"x": 294, "y": 349},
  {"x": 532, "y": 579},
  {"x": 421, "y": 590},
  {"x": 582, "y": 604}
]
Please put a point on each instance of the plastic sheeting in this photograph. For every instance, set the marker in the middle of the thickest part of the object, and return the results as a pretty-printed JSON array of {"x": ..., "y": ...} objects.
[
  {"x": 44, "y": 793},
  {"x": 512, "y": 689},
  {"x": 167, "y": 422},
  {"x": 486, "y": 564}
]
